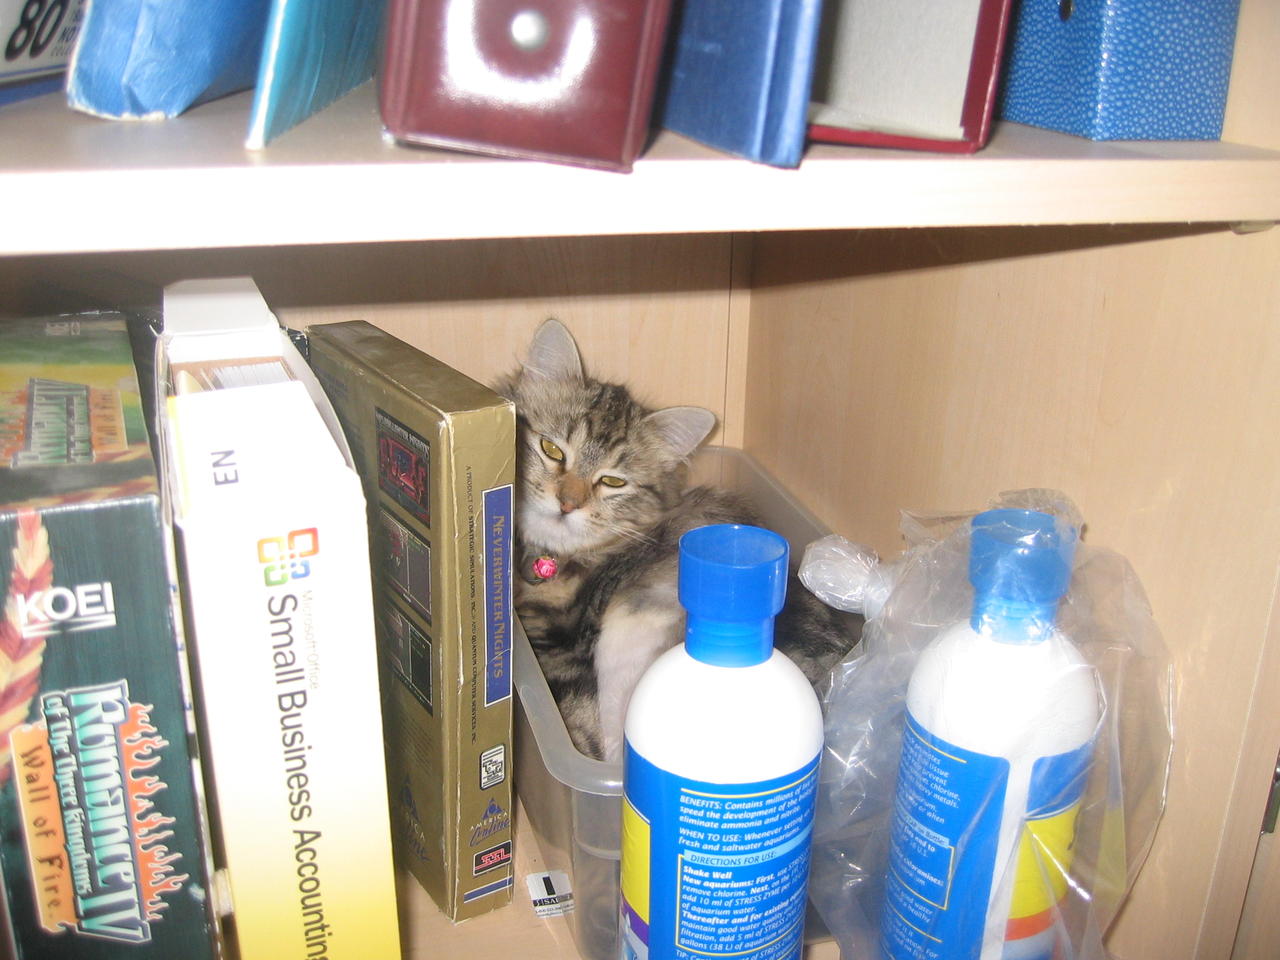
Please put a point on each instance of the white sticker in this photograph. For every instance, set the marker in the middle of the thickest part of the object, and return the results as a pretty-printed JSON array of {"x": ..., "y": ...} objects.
[
  {"x": 551, "y": 893},
  {"x": 493, "y": 766}
]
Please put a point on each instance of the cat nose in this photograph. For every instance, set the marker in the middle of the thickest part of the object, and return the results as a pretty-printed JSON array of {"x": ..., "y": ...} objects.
[{"x": 572, "y": 492}]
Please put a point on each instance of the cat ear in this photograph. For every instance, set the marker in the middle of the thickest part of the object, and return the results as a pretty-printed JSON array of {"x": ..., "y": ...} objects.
[
  {"x": 553, "y": 355},
  {"x": 682, "y": 428}
]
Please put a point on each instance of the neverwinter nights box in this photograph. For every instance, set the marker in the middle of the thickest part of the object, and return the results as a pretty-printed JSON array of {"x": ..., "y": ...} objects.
[
  {"x": 101, "y": 833},
  {"x": 435, "y": 451}
]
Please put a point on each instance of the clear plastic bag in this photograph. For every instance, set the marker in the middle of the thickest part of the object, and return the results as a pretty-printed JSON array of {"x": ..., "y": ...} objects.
[{"x": 1105, "y": 614}]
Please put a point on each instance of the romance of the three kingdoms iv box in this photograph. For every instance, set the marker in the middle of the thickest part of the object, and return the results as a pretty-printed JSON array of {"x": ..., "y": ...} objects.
[{"x": 102, "y": 838}]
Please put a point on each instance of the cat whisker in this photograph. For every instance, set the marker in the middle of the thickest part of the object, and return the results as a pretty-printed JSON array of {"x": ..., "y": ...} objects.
[{"x": 635, "y": 535}]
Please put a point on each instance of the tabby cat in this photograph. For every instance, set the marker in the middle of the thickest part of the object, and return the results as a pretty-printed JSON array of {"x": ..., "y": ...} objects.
[{"x": 601, "y": 502}]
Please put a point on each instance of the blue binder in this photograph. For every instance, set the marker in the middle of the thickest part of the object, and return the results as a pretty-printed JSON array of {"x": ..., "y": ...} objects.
[
  {"x": 157, "y": 58},
  {"x": 1122, "y": 69},
  {"x": 740, "y": 76},
  {"x": 140, "y": 59}
]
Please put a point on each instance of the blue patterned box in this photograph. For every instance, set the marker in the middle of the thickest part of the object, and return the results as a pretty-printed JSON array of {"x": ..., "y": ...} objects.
[{"x": 1121, "y": 69}]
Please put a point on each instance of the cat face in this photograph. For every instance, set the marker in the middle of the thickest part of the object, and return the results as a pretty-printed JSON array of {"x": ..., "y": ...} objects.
[{"x": 595, "y": 468}]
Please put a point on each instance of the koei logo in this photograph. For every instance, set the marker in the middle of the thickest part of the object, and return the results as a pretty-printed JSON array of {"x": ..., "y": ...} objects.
[
  {"x": 285, "y": 558},
  {"x": 86, "y": 606}
]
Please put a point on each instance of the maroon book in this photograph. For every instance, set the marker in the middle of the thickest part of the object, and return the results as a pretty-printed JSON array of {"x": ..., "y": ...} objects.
[{"x": 570, "y": 81}]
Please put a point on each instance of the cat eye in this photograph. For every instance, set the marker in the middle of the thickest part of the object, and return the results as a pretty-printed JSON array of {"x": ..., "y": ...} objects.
[
  {"x": 613, "y": 481},
  {"x": 552, "y": 451}
]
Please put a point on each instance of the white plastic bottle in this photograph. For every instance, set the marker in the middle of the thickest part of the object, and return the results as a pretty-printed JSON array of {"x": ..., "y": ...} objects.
[
  {"x": 1001, "y": 716},
  {"x": 723, "y": 736}
]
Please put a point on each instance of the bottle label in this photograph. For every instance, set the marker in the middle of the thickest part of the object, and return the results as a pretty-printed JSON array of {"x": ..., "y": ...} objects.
[
  {"x": 1045, "y": 851},
  {"x": 713, "y": 869},
  {"x": 946, "y": 825},
  {"x": 948, "y": 809}
]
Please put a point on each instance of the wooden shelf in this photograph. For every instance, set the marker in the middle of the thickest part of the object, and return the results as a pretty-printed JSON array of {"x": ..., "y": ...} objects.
[{"x": 74, "y": 183}]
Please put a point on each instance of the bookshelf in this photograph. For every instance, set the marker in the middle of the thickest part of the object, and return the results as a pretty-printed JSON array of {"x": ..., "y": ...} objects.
[
  {"x": 880, "y": 329},
  {"x": 188, "y": 183}
]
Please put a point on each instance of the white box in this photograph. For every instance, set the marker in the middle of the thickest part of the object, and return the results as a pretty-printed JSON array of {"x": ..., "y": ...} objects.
[
  {"x": 37, "y": 37},
  {"x": 275, "y": 571}
]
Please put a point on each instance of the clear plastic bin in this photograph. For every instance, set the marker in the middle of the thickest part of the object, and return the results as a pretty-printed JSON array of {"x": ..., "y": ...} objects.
[{"x": 574, "y": 803}]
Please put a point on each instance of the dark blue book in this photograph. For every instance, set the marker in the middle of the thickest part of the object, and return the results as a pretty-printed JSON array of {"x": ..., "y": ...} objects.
[{"x": 740, "y": 76}]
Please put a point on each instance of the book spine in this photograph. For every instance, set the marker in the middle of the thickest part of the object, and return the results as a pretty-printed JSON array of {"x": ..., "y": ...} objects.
[
  {"x": 657, "y": 15},
  {"x": 396, "y": 70},
  {"x": 482, "y": 872},
  {"x": 277, "y": 577},
  {"x": 786, "y": 109},
  {"x": 264, "y": 91}
]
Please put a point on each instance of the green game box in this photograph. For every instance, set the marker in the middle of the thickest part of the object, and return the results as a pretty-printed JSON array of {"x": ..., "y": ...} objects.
[{"x": 102, "y": 836}]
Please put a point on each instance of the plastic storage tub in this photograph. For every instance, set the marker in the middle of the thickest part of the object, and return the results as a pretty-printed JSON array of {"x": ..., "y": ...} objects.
[{"x": 574, "y": 803}]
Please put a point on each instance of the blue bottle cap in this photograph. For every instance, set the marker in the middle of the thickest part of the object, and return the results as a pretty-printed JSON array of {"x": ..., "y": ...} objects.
[
  {"x": 1020, "y": 566},
  {"x": 733, "y": 582}
]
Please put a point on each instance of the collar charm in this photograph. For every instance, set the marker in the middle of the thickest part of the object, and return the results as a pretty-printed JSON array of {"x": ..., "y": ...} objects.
[{"x": 544, "y": 567}]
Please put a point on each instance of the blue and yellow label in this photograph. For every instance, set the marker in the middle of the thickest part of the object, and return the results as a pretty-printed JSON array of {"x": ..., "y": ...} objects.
[
  {"x": 712, "y": 869},
  {"x": 948, "y": 809},
  {"x": 946, "y": 825},
  {"x": 1046, "y": 850}
]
